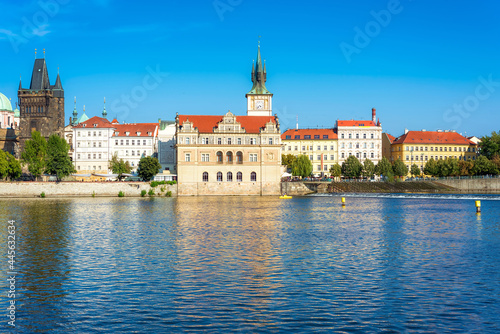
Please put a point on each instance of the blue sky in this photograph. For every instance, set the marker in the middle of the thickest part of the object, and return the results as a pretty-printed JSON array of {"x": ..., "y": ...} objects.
[{"x": 422, "y": 64}]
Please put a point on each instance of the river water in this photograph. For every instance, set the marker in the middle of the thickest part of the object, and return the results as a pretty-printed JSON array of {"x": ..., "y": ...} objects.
[{"x": 392, "y": 264}]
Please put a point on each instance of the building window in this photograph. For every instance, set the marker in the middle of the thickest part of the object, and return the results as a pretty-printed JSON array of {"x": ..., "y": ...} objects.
[
  {"x": 253, "y": 157},
  {"x": 229, "y": 141},
  {"x": 239, "y": 157},
  {"x": 372, "y": 136},
  {"x": 350, "y": 136},
  {"x": 319, "y": 168},
  {"x": 342, "y": 145},
  {"x": 319, "y": 148},
  {"x": 342, "y": 155},
  {"x": 205, "y": 177},
  {"x": 407, "y": 157},
  {"x": 331, "y": 148},
  {"x": 307, "y": 136},
  {"x": 332, "y": 157},
  {"x": 296, "y": 148},
  {"x": 364, "y": 135},
  {"x": 364, "y": 155},
  {"x": 229, "y": 157},
  {"x": 253, "y": 177},
  {"x": 303, "y": 148},
  {"x": 229, "y": 177},
  {"x": 350, "y": 145},
  {"x": 297, "y": 137},
  {"x": 205, "y": 157},
  {"x": 219, "y": 141},
  {"x": 311, "y": 157},
  {"x": 100, "y": 144},
  {"x": 270, "y": 141},
  {"x": 94, "y": 155},
  {"x": 78, "y": 156},
  {"x": 239, "y": 177},
  {"x": 89, "y": 156},
  {"x": 342, "y": 136},
  {"x": 219, "y": 156},
  {"x": 288, "y": 137},
  {"x": 126, "y": 153},
  {"x": 219, "y": 176},
  {"x": 357, "y": 135},
  {"x": 133, "y": 152},
  {"x": 253, "y": 141},
  {"x": 144, "y": 142},
  {"x": 100, "y": 157},
  {"x": 373, "y": 145},
  {"x": 357, "y": 155},
  {"x": 94, "y": 144},
  {"x": 187, "y": 140},
  {"x": 372, "y": 156},
  {"x": 319, "y": 157},
  {"x": 325, "y": 157},
  {"x": 239, "y": 141},
  {"x": 187, "y": 157},
  {"x": 325, "y": 168}
]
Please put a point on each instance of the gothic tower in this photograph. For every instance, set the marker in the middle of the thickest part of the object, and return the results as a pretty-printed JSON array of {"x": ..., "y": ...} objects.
[
  {"x": 259, "y": 99},
  {"x": 41, "y": 106}
]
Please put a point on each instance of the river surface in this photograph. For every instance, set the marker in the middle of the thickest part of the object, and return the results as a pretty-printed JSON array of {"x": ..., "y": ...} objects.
[{"x": 381, "y": 264}]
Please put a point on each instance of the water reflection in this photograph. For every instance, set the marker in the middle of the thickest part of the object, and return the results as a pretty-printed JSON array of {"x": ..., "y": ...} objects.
[{"x": 222, "y": 264}]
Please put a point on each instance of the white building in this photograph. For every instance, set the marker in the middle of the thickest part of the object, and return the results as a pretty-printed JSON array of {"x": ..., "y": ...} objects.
[
  {"x": 97, "y": 140},
  {"x": 362, "y": 139},
  {"x": 166, "y": 146}
]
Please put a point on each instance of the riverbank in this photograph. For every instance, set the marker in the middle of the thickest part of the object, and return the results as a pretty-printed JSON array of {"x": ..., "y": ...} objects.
[{"x": 81, "y": 189}]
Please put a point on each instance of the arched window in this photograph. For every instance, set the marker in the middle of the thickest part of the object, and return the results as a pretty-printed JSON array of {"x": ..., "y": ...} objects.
[
  {"x": 253, "y": 177},
  {"x": 205, "y": 177},
  {"x": 229, "y": 177},
  {"x": 357, "y": 135},
  {"x": 219, "y": 177},
  {"x": 239, "y": 177},
  {"x": 219, "y": 156},
  {"x": 229, "y": 156},
  {"x": 364, "y": 135},
  {"x": 239, "y": 157}
]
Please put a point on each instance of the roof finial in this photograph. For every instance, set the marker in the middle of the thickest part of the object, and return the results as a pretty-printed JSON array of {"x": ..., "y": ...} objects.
[
  {"x": 35, "y": 53},
  {"x": 43, "y": 53},
  {"x": 58, "y": 68},
  {"x": 104, "y": 112}
]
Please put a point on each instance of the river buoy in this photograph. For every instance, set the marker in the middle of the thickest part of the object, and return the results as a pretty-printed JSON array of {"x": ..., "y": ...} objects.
[
  {"x": 478, "y": 206},
  {"x": 343, "y": 201}
]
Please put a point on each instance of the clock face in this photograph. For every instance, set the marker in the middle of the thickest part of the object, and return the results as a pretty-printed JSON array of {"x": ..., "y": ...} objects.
[{"x": 259, "y": 104}]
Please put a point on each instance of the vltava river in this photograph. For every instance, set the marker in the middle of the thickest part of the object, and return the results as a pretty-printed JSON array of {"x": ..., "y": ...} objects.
[{"x": 253, "y": 264}]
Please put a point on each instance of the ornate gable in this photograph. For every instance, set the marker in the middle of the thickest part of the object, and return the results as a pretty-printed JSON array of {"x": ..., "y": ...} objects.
[{"x": 229, "y": 124}]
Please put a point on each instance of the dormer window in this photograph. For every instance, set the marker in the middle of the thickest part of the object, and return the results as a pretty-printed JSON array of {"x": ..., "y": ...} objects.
[
  {"x": 138, "y": 133},
  {"x": 150, "y": 133},
  {"x": 116, "y": 133},
  {"x": 84, "y": 125},
  {"x": 95, "y": 125},
  {"x": 127, "y": 133}
]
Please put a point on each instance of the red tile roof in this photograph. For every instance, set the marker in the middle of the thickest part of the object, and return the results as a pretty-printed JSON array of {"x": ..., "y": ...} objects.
[
  {"x": 309, "y": 132},
  {"x": 391, "y": 137},
  {"x": 432, "y": 137},
  {"x": 356, "y": 123},
  {"x": 98, "y": 121},
  {"x": 207, "y": 123},
  {"x": 134, "y": 128}
]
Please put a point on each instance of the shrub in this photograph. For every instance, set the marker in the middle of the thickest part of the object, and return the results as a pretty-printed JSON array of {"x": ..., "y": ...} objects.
[
  {"x": 151, "y": 192},
  {"x": 93, "y": 194},
  {"x": 168, "y": 194},
  {"x": 162, "y": 189},
  {"x": 42, "y": 195},
  {"x": 121, "y": 194},
  {"x": 143, "y": 193}
]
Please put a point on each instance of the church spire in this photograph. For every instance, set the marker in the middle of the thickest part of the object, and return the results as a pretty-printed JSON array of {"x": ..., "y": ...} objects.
[
  {"x": 75, "y": 114},
  {"x": 259, "y": 76},
  {"x": 104, "y": 112}
]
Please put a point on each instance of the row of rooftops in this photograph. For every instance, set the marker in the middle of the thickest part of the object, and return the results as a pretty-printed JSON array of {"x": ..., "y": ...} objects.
[{"x": 120, "y": 130}]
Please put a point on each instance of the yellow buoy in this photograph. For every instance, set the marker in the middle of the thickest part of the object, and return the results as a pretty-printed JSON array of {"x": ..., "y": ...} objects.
[
  {"x": 343, "y": 201},
  {"x": 478, "y": 206}
]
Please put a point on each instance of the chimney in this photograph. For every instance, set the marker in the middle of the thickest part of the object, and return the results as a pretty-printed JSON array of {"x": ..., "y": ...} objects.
[
  {"x": 406, "y": 131},
  {"x": 297, "y": 124},
  {"x": 374, "y": 115}
]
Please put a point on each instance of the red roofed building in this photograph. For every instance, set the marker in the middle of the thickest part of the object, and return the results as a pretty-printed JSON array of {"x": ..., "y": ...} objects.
[
  {"x": 362, "y": 139},
  {"x": 97, "y": 140},
  {"x": 320, "y": 145},
  {"x": 418, "y": 147},
  {"x": 228, "y": 155}
]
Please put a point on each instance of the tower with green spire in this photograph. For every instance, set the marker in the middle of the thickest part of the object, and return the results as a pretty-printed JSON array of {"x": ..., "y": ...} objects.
[
  {"x": 259, "y": 99},
  {"x": 104, "y": 112},
  {"x": 75, "y": 115}
]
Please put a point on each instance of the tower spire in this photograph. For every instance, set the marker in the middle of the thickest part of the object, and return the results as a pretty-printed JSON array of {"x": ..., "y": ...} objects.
[
  {"x": 104, "y": 112},
  {"x": 75, "y": 114},
  {"x": 259, "y": 76}
]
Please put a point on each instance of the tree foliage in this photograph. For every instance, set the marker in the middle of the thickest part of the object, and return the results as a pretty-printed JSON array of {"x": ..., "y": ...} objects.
[
  {"x": 57, "y": 161},
  {"x": 384, "y": 168},
  {"x": 465, "y": 167},
  {"x": 490, "y": 145},
  {"x": 399, "y": 168},
  {"x": 302, "y": 166},
  {"x": 118, "y": 166},
  {"x": 288, "y": 160},
  {"x": 148, "y": 167},
  {"x": 34, "y": 153},
  {"x": 368, "y": 168},
  {"x": 415, "y": 170},
  {"x": 484, "y": 166},
  {"x": 352, "y": 168},
  {"x": 431, "y": 167},
  {"x": 336, "y": 170}
]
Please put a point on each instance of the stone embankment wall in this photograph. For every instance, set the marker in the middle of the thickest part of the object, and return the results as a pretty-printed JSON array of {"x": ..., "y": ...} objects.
[
  {"x": 80, "y": 189},
  {"x": 480, "y": 186},
  {"x": 295, "y": 189}
]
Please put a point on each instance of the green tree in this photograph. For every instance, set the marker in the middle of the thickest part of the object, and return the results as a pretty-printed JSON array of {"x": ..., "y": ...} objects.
[
  {"x": 399, "y": 168},
  {"x": 57, "y": 160},
  {"x": 34, "y": 153},
  {"x": 118, "y": 166},
  {"x": 148, "y": 167},
  {"x": 288, "y": 160},
  {"x": 415, "y": 170},
  {"x": 465, "y": 167},
  {"x": 336, "y": 170},
  {"x": 15, "y": 170},
  {"x": 490, "y": 145},
  {"x": 384, "y": 168},
  {"x": 431, "y": 168},
  {"x": 368, "y": 168},
  {"x": 302, "y": 166},
  {"x": 4, "y": 165},
  {"x": 484, "y": 166},
  {"x": 352, "y": 168}
]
